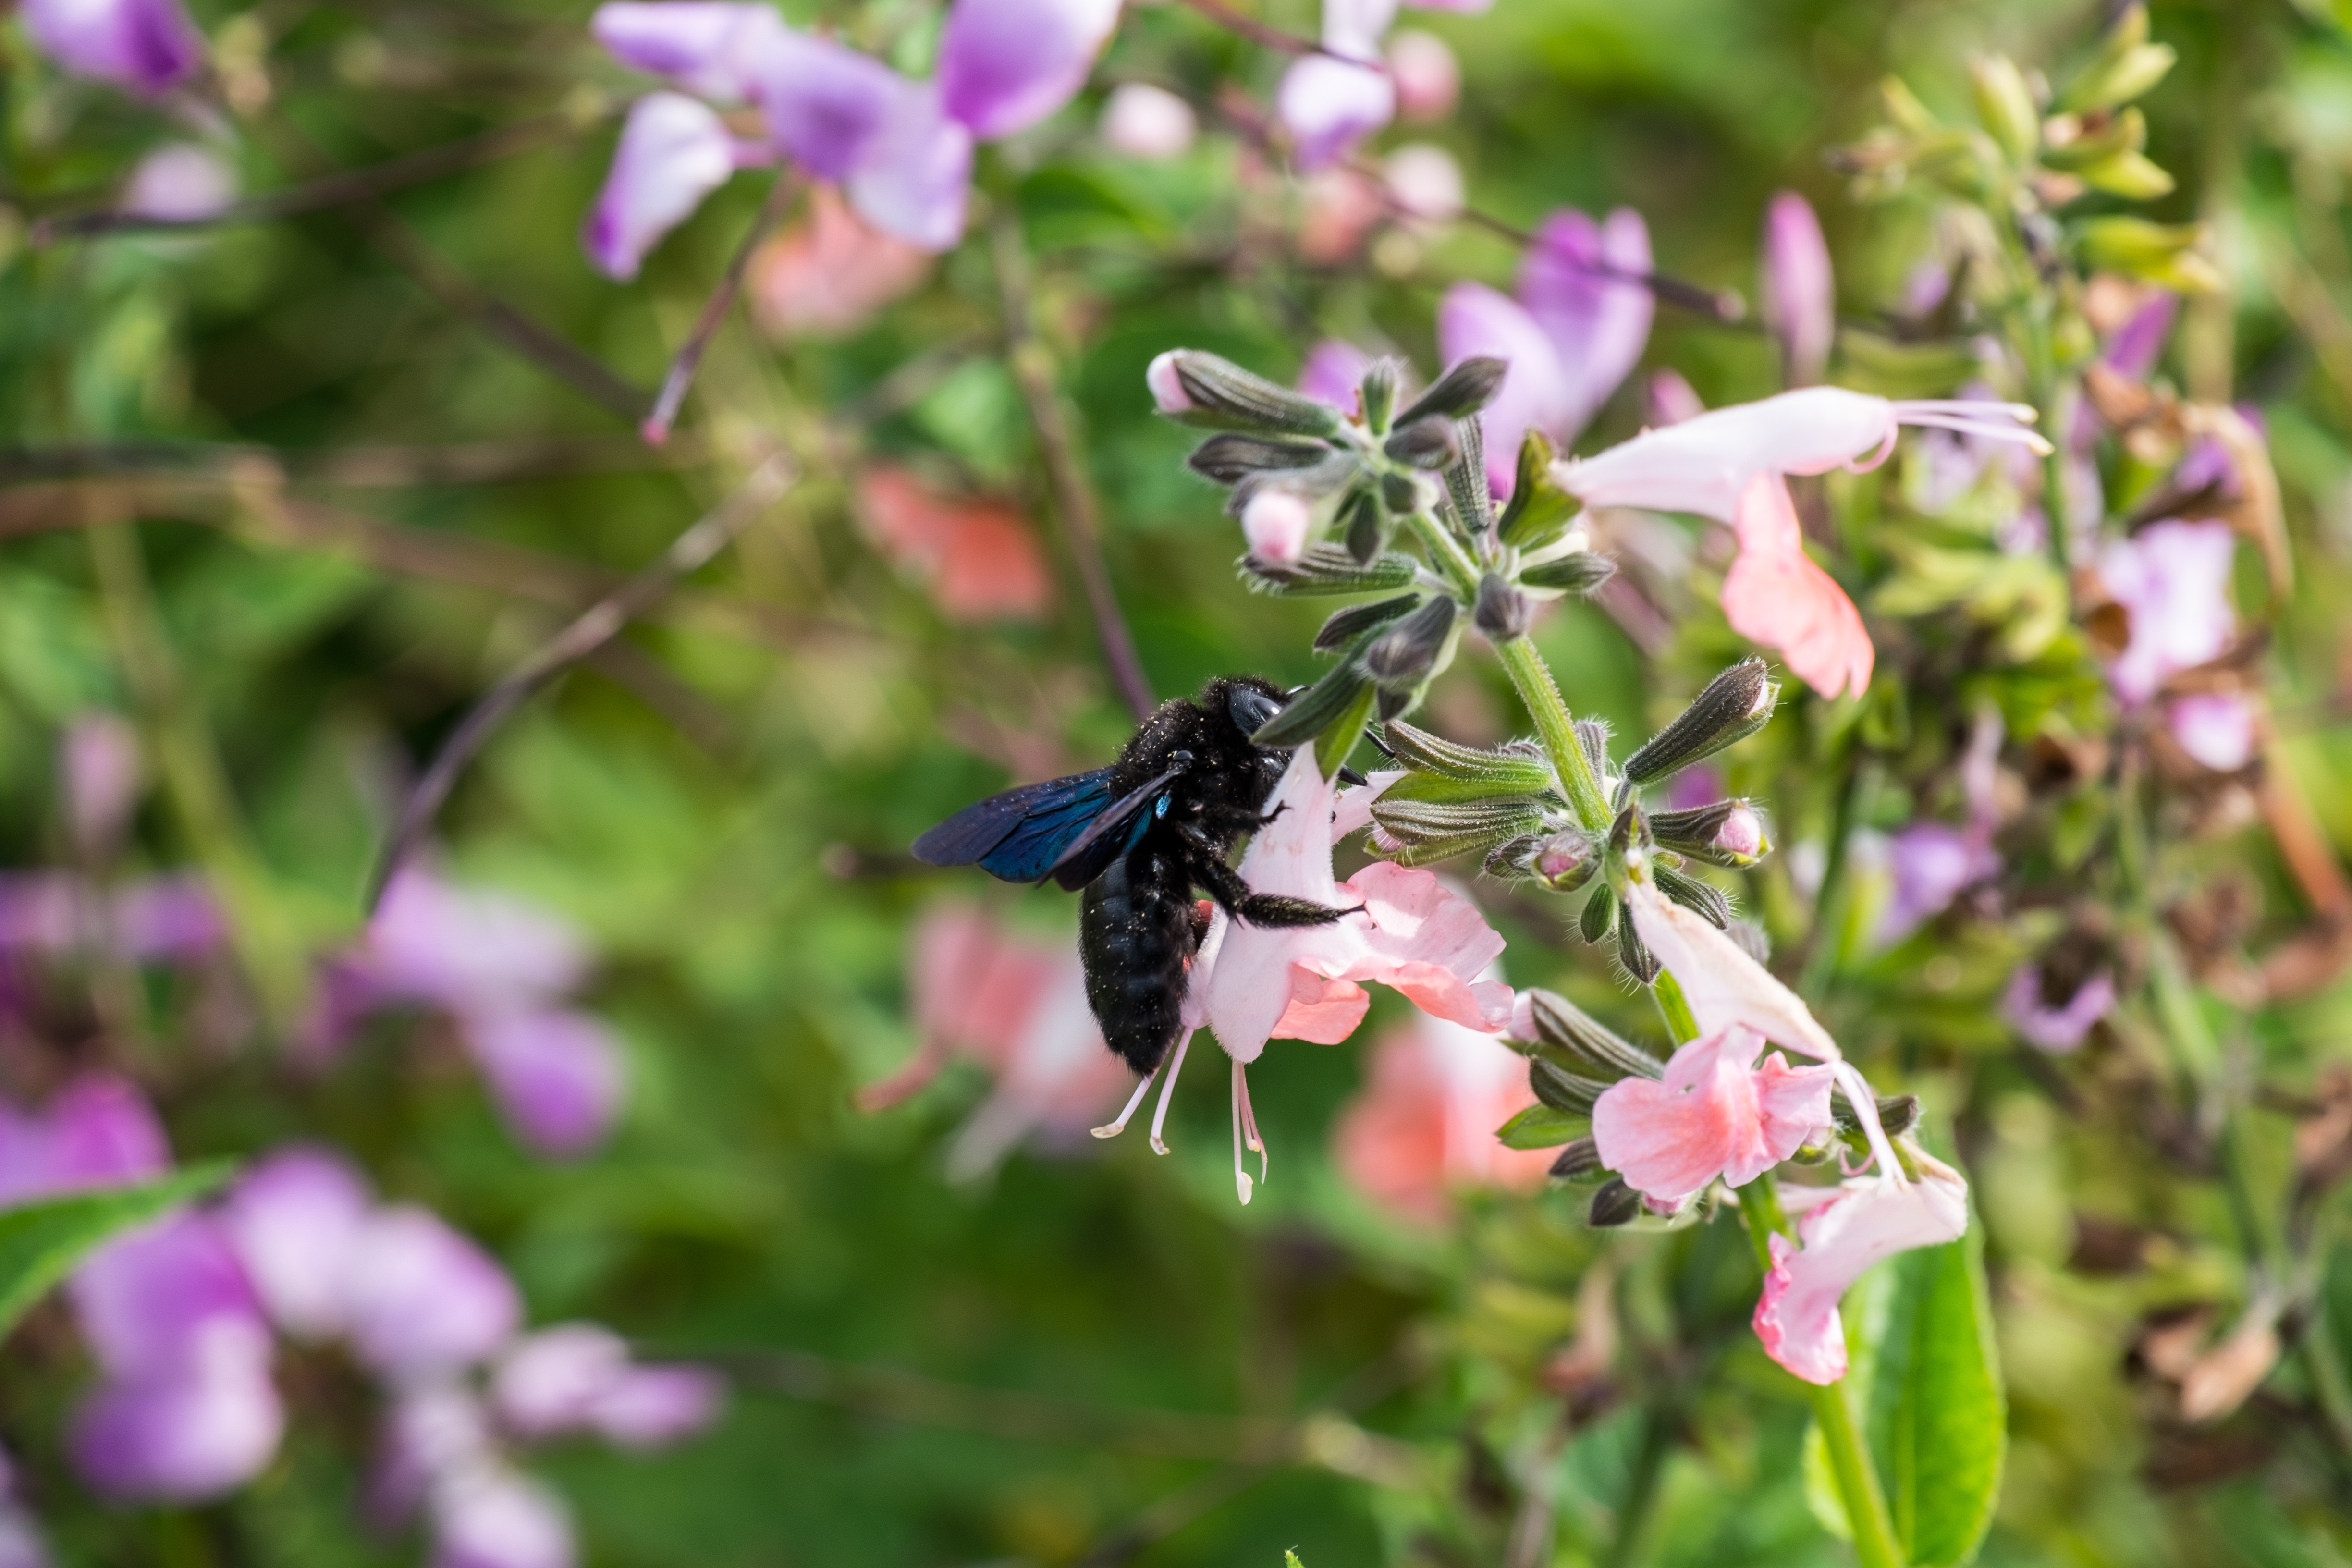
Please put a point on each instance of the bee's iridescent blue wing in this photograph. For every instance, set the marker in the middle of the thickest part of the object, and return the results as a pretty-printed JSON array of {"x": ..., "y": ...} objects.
[
  {"x": 1018, "y": 835},
  {"x": 1112, "y": 834}
]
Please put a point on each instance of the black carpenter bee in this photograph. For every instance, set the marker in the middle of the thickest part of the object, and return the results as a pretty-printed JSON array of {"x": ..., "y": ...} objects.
[{"x": 1140, "y": 836}]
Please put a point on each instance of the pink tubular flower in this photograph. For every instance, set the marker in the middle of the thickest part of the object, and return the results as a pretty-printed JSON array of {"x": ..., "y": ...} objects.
[
  {"x": 979, "y": 559},
  {"x": 144, "y": 46},
  {"x": 1423, "y": 1124},
  {"x": 1776, "y": 597},
  {"x": 2174, "y": 580},
  {"x": 1799, "y": 290},
  {"x": 1574, "y": 282},
  {"x": 832, "y": 274},
  {"x": 1705, "y": 465},
  {"x": 1843, "y": 1231},
  {"x": 1004, "y": 64},
  {"x": 1717, "y": 1114},
  {"x": 672, "y": 153},
  {"x": 1474, "y": 320},
  {"x": 711, "y": 49}
]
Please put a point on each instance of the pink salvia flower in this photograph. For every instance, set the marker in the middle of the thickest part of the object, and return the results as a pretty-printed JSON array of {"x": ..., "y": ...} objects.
[
  {"x": 1706, "y": 464},
  {"x": 1004, "y": 64},
  {"x": 1799, "y": 290},
  {"x": 1774, "y": 596},
  {"x": 672, "y": 153},
  {"x": 1717, "y": 1115},
  {"x": 1843, "y": 1231},
  {"x": 558, "y": 1075},
  {"x": 1424, "y": 1125}
]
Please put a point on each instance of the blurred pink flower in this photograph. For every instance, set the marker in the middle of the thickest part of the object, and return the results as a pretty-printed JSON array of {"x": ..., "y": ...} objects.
[
  {"x": 1151, "y": 123},
  {"x": 1775, "y": 596},
  {"x": 1800, "y": 292},
  {"x": 673, "y": 152},
  {"x": 913, "y": 179},
  {"x": 59, "y": 913},
  {"x": 422, "y": 1300},
  {"x": 144, "y": 46},
  {"x": 1672, "y": 399},
  {"x": 2132, "y": 349},
  {"x": 1334, "y": 374},
  {"x": 21, "y": 1545},
  {"x": 1018, "y": 1008},
  {"x": 831, "y": 274},
  {"x": 1573, "y": 281},
  {"x": 2216, "y": 727},
  {"x": 1843, "y": 1231},
  {"x": 1474, "y": 320},
  {"x": 1330, "y": 105},
  {"x": 558, "y": 1075},
  {"x": 1706, "y": 464},
  {"x": 1424, "y": 184},
  {"x": 2173, "y": 578},
  {"x": 99, "y": 772},
  {"x": 1004, "y": 64},
  {"x": 1423, "y": 1124},
  {"x": 98, "y": 1131},
  {"x": 180, "y": 182},
  {"x": 1428, "y": 78},
  {"x": 979, "y": 559},
  {"x": 1337, "y": 207},
  {"x": 1274, "y": 524},
  {"x": 578, "y": 1377},
  {"x": 495, "y": 1517},
  {"x": 2056, "y": 1028},
  {"x": 1718, "y": 1115},
  {"x": 296, "y": 1220}
]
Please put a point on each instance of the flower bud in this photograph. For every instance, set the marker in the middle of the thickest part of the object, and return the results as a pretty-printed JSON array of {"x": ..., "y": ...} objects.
[
  {"x": 1502, "y": 612},
  {"x": 1232, "y": 457},
  {"x": 1378, "y": 390},
  {"x": 1204, "y": 389},
  {"x": 1327, "y": 569},
  {"x": 2005, "y": 105},
  {"x": 1578, "y": 572},
  {"x": 1578, "y": 1158},
  {"x": 1613, "y": 1204},
  {"x": 1403, "y": 655},
  {"x": 1703, "y": 900},
  {"x": 1586, "y": 1045},
  {"x": 1428, "y": 78},
  {"x": 1727, "y": 833},
  {"x": 1425, "y": 443},
  {"x": 1274, "y": 524},
  {"x": 1461, "y": 392},
  {"x": 1735, "y": 705},
  {"x": 1140, "y": 120},
  {"x": 1564, "y": 861}
]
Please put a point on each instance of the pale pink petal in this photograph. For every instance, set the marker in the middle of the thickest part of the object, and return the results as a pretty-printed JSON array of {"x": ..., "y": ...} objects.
[
  {"x": 1860, "y": 1224},
  {"x": 1322, "y": 1011},
  {"x": 1334, "y": 373},
  {"x": 1428, "y": 78},
  {"x": 1722, "y": 983},
  {"x": 549, "y": 1381},
  {"x": 199, "y": 1427},
  {"x": 180, "y": 182},
  {"x": 2174, "y": 580},
  {"x": 465, "y": 950},
  {"x": 1351, "y": 809},
  {"x": 910, "y": 181},
  {"x": 2216, "y": 727},
  {"x": 1713, "y": 1116},
  {"x": 1703, "y": 464},
  {"x": 1425, "y": 1122},
  {"x": 1328, "y": 105},
  {"x": 653, "y": 1406},
  {"x": 423, "y": 1301},
  {"x": 1799, "y": 290},
  {"x": 832, "y": 274},
  {"x": 492, "y": 1517},
  {"x": 1147, "y": 122},
  {"x": 1775, "y": 596},
  {"x": 1474, "y": 320},
  {"x": 673, "y": 152},
  {"x": 1274, "y": 524}
]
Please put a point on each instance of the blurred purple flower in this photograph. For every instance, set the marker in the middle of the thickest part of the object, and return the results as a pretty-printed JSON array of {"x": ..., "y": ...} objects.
[
  {"x": 99, "y": 772},
  {"x": 188, "y": 1409},
  {"x": 1334, "y": 373},
  {"x": 1328, "y": 105},
  {"x": 1573, "y": 282},
  {"x": 673, "y": 152},
  {"x": 577, "y": 1377},
  {"x": 20, "y": 1539},
  {"x": 1930, "y": 863},
  {"x": 2133, "y": 348},
  {"x": 914, "y": 178},
  {"x": 146, "y": 45},
  {"x": 433, "y": 1429},
  {"x": 826, "y": 105},
  {"x": 557, "y": 1075},
  {"x": 2174, "y": 580},
  {"x": 1004, "y": 64},
  {"x": 296, "y": 1220},
  {"x": 497, "y": 1518},
  {"x": 1800, "y": 292},
  {"x": 58, "y": 913},
  {"x": 99, "y": 1132},
  {"x": 179, "y": 183},
  {"x": 2216, "y": 727},
  {"x": 2060, "y": 1028},
  {"x": 1474, "y": 320},
  {"x": 423, "y": 1300},
  {"x": 710, "y": 48}
]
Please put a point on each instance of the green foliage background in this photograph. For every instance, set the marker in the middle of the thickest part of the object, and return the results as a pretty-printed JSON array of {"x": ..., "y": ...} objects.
[{"x": 725, "y": 809}]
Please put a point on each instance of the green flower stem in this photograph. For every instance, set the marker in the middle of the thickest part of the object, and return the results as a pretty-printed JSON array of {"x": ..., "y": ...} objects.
[
  {"x": 1556, "y": 728},
  {"x": 1446, "y": 553},
  {"x": 1874, "y": 1543}
]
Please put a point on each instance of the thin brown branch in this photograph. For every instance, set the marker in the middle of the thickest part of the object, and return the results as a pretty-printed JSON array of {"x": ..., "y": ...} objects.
[
  {"x": 602, "y": 622},
  {"x": 688, "y": 359},
  {"x": 332, "y": 190},
  {"x": 1074, "y": 496}
]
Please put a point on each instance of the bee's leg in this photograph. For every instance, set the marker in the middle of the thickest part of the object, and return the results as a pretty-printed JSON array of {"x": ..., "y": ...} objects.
[{"x": 1234, "y": 897}]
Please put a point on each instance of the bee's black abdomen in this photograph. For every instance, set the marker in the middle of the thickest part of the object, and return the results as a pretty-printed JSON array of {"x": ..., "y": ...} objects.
[{"x": 1135, "y": 933}]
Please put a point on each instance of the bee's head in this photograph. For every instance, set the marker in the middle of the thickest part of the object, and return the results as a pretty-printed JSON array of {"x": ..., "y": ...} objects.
[{"x": 1250, "y": 703}]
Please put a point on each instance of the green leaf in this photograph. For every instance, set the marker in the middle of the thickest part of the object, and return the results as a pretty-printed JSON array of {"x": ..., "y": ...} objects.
[
  {"x": 1929, "y": 1390},
  {"x": 41, "y": 1242},
  {"x": 1539, "y": 1127}
]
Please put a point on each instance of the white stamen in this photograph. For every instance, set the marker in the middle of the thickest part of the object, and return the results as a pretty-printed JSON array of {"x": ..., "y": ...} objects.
[
  {"x": 1240, "y": 1177},
  {"x": 1960, "y": 424},
  {"x": 2023, "y": 412},
  {"x": 1167, "y": 1088},
  {"x": 1249, "y": 1118},
  {"x": 1119, "y": 1126},
  {"x": 1865, "y": 1111}
]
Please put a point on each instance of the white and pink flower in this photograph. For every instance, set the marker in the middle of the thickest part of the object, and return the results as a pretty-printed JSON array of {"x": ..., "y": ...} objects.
[{"x": 1840, "y": 1232}]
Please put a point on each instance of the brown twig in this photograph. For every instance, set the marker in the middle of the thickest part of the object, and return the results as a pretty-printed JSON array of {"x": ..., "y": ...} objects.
[
  {"x": 332, "y": 190},
  {"x": 601, "y": 623},
  {"x": 1074, "y": 496},
  {"x": 675, "y": 386}
]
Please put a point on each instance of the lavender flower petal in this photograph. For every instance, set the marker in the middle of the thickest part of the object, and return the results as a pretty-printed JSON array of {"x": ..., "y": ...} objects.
[
  {"x": 1597, "y": 324},
  {"x": 144, "y": 46},
  {"x": 557, "y": 1076},
  {"x": 712, "y": 50},
  {"x": 672, "y": 153},
  {"x": 1004, "y": 64},
  {"x": 423, "y": 1301},
  {"x": 1800, "y": 292}
]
